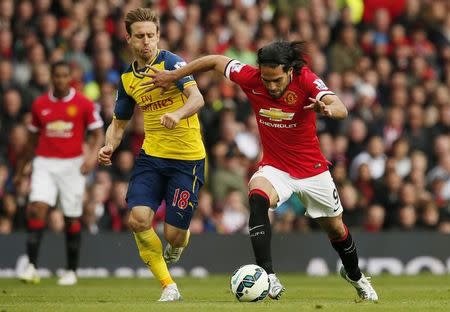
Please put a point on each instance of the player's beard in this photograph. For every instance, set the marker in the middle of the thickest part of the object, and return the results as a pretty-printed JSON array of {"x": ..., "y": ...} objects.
[
  {"x": 146, "y": 57},
  {"x": 279, "y": 94}
]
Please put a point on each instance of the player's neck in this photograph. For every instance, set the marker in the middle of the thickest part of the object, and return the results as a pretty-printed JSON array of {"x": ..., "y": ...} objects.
[
  {"x": 60, "y": 94},
  {"x": 141, "y": 63}
]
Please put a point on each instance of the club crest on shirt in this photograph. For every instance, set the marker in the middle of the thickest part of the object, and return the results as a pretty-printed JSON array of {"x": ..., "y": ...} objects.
[
  {"x": 290, "y": 97},
  {"x": 72, "y": 110}
]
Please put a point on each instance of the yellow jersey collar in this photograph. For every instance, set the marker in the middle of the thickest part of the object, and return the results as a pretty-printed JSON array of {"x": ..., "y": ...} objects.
[{"x": 137, "y": 71}]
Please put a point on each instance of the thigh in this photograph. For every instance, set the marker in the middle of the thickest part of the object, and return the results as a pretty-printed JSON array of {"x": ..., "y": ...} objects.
[
  {"x": 274, "y": 182},
  {"x": 186, "y": 177},
  {"x": 147, "y": 184},
  {"x": 71, "y": 184},
  {"x": 43, "y": 186},
  {"x": 320, "y": 196}
]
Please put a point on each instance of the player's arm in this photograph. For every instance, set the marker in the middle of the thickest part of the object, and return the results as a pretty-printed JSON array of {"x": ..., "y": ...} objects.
[
  {"x": 329, "y": 105},
  {"x": 193, "y": 103},
  {"x": 26, "y": 157},
  {"x": 95, "y": 142},
  {"x": 114, "y": 135},
  {"x": 164, "y": 78},
  {"x": 123, "y": 111}
]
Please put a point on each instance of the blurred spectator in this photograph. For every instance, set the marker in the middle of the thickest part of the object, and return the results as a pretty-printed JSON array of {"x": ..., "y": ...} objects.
[
  {"x": 407, "y": 218},
  {"x": 230, "y": 176},
  {"x": 204, "y": 219},
  {"x": 353, "y": 214},
  {"x": 345, "y": 53},
  {"x": 429, "y": 218},
  {"x": 374, "y": 157},
  {"x": 374, "y": 220},
  {"x": 400, "y": 154},
  {"x": 234, "y": 216}
]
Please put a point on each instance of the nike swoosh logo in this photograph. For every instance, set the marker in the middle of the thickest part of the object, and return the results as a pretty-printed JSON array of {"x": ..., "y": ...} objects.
[
  {"x": 334, "y": 210},
  {"x": 256, "y": 93},
  {"x": 181, "y": 216},
  {"x": 255, "y": 227}
]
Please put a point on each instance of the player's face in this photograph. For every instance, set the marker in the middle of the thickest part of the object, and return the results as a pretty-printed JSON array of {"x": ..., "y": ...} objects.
[
  {"x": 61, "y": 78},
  {"x": 275, "y": 79},
  {"x": 144, "y": 40}
]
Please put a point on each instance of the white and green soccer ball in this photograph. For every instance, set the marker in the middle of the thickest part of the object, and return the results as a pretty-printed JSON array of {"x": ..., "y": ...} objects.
[{"x": 250, "y": 283}]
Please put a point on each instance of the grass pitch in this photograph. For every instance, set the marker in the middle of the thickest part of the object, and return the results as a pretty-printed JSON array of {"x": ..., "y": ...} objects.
[{"x": 401, "y": 293}]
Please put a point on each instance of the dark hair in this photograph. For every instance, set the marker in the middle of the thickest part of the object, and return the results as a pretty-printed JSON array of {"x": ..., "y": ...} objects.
[
  {"x": 57, "y": 64},
  {"x": 287, "y": 54}
]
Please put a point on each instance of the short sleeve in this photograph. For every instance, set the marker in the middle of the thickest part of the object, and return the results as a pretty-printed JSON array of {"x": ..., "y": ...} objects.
[
  {"x": 173, "y": 62},
  {"x": 238, "y": 72},
  {"x": 315, "y": 86},
  {"x": 94, "y": 121},
  {"x": 124, "y": 104}
]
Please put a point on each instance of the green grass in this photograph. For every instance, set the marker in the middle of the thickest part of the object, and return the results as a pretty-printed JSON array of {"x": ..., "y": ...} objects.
[{"x": 405, "y": 293}]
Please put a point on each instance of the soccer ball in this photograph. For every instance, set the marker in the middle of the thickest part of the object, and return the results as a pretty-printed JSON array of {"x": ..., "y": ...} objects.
[{"x": 250, "y": 283}]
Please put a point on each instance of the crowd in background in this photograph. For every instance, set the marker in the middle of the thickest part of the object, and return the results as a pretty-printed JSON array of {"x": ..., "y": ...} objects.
[{"x": 390, "y": 64}]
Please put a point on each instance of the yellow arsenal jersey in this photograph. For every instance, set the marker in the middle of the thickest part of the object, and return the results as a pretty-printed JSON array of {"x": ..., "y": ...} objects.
[{"x": 184, "y": 142}]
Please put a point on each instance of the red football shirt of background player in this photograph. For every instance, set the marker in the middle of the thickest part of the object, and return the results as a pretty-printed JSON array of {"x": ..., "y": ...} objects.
[{"x": 62, "y": 124}]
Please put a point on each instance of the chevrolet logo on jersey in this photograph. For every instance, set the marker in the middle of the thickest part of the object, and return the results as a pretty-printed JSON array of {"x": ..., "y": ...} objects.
[{"x": 276, "y": 114}]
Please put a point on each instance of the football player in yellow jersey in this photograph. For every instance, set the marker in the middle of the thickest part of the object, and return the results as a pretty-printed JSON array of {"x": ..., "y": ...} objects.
[{"x": 171, "y": 163}]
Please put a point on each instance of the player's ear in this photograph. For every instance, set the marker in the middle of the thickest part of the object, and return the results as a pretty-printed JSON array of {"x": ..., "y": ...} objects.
[{"x": 290, "y": 71}]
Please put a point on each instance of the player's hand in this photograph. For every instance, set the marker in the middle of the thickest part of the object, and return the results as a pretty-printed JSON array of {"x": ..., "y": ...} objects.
[
  {"x": 170, "y": 120},
  {"x": 162, "y": 79},
  {"x": 104, "y": 155},
  {"x": 87, "y": 166},
  {"x": 319, "y": 107},
  {"x": 17, "y": 179}
]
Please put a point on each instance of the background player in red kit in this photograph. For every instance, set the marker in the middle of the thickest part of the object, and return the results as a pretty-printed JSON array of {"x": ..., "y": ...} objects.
[
  {"x": 285, "y": 95},
  {"x": 60, "y": 119}
]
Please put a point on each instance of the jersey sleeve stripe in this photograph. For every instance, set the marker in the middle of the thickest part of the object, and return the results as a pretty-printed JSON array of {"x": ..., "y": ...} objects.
[
  {"x": 95, "y": 125},
  {"x": 189, "y": 83},
  {"x": 321, "y": 94},
  {"x": 228, "y": 67},
  {"x": 32, "y": 128}
]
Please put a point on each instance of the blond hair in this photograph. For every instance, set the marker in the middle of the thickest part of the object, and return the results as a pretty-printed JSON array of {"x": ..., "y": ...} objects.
[{"x": 141, "y": 15}]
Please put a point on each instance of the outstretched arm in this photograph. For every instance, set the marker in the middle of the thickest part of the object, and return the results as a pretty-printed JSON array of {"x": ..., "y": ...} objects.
[{"x": 164, "y": 78}]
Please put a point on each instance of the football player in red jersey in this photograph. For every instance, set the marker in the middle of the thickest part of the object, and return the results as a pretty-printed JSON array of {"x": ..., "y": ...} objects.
[
  {"x": 60, "y": 119},
  {"x": 285, "y": 96}
]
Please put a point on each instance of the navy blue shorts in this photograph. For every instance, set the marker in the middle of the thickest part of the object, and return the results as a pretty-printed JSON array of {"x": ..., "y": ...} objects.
[{"x": 177, "y": 181}]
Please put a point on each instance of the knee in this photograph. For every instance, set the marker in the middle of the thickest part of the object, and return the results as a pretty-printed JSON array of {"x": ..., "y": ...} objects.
[
  {"x": 139, "y": 220},
  {"x": 337, "y": 233},
  {"x": 37, "y": 210},
  {"x": 72, "y": 225}
]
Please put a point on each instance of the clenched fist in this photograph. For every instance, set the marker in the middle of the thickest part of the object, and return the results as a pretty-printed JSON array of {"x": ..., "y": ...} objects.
[{"x": 104, "y": 155}]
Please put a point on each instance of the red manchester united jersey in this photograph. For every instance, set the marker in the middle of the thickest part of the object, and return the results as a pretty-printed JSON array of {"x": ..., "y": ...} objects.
[
  {"x": 287, "y": 131},
  {"x": 62, "y": 124}
]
